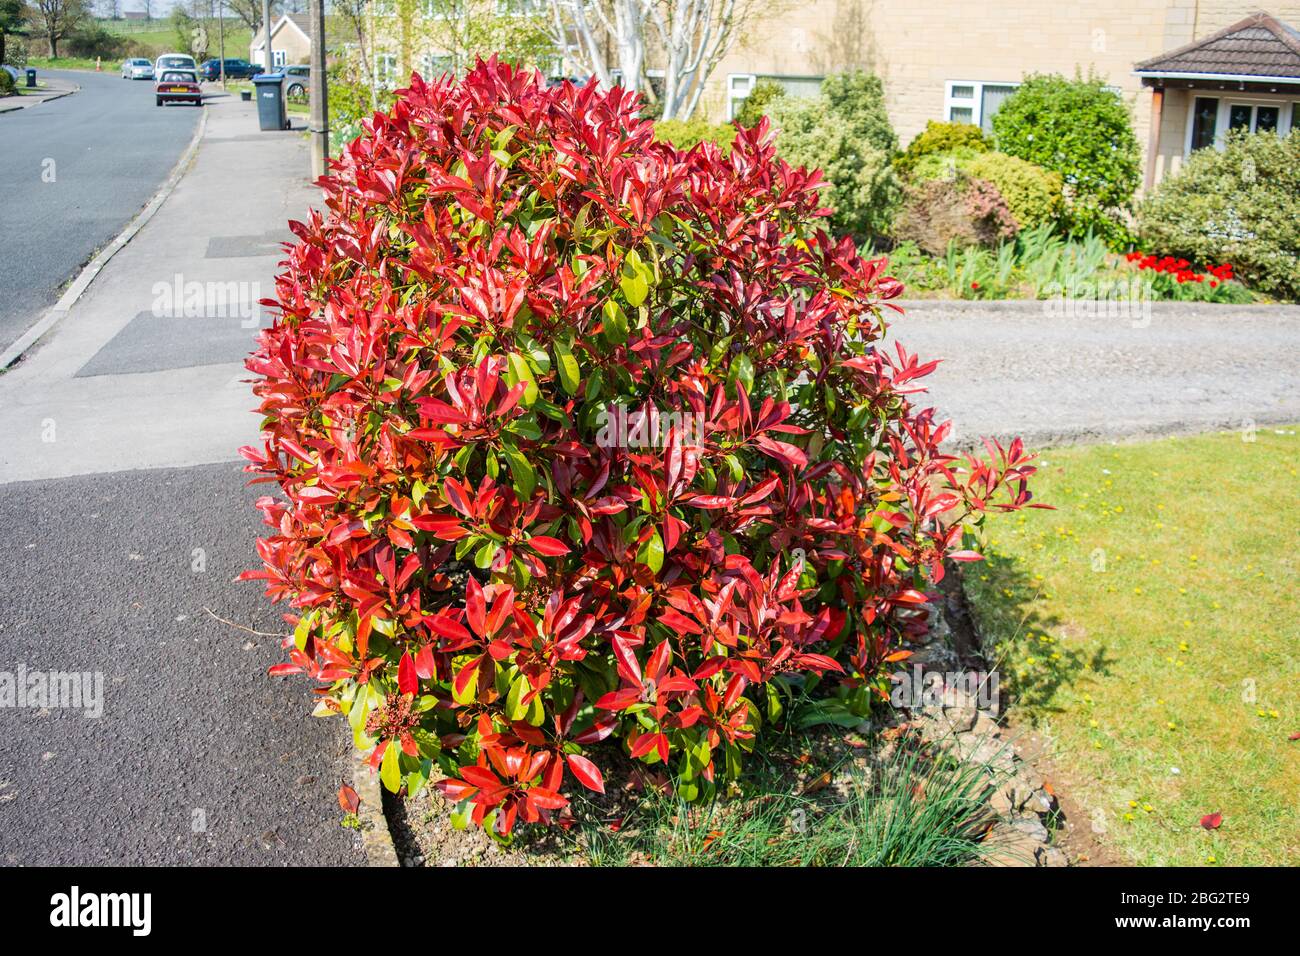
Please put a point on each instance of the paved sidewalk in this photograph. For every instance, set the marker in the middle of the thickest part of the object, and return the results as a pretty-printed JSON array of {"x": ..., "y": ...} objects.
[
  {"x": 124, "y": 517},
  {"x": 118, "y": 386},
  {"x": 53, "y": 89},
  {"x": 1014, "y": 368}
]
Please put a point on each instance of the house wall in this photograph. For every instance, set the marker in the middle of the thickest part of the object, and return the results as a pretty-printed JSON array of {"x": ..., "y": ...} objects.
[
  {"x": 918, "y": 46},
  {"x": 297, "y": 47}
]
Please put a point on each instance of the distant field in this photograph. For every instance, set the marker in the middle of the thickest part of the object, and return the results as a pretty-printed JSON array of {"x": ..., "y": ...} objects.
[{"x": 159, "y": 36}]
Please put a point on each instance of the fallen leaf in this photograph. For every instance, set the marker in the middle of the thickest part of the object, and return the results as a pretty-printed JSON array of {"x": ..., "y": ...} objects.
[
  {"x": 1211, "y": 821},
  {"x": 818, "y": 783},
  {"x": 348, "y": 799},
  {"x": 1295, "y": 736}
]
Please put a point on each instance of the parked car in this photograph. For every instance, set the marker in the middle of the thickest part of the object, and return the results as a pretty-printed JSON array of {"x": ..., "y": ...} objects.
[
  {"x": 137, "y": 68},
  {"x": 297, "y": 80},
  {"x": 235, "y": 69},
  {"x": 178, "y": 86},
  {"x": 174, "y": 61}
]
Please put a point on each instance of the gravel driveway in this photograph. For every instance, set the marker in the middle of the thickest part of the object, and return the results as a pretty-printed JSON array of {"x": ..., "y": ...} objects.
[{"x": 1029, "y": 369}]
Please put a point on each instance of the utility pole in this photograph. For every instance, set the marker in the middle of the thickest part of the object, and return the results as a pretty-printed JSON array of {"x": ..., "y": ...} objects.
[
  {"x": 269, "y": 65},
  {"x": 319, "y": 122},
  {"x": 221, "y": 38}
]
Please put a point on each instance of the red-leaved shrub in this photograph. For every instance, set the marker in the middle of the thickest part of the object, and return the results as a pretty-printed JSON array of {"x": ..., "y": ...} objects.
[{"x": 583, "y": 439}]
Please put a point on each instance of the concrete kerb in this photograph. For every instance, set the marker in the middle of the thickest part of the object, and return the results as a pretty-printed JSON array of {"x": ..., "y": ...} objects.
[
  {"x": 96, "y": 265},
  {"x": 10, "y": 107}
]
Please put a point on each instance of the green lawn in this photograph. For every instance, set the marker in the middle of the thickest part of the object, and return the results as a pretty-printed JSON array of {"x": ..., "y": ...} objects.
[{"x": 1149, "y": 629}]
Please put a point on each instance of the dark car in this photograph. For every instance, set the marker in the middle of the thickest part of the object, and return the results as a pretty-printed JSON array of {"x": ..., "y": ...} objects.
[
  {"x": 235, "y": 69},
  {"x": 178, "y": 86}
]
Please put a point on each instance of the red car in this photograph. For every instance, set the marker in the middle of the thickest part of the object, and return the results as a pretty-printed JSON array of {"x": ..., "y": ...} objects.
[{"x": 181, "y": 86}]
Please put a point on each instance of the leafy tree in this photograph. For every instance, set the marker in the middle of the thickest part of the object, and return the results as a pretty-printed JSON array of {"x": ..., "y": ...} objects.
[
  {"x": 55, "y": 19},
  {"x": 1083, "y": 131},
  {"x": 11, "y": 21}
]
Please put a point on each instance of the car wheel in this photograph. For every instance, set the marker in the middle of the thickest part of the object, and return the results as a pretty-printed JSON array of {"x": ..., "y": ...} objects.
[
  {"x": 157, "y": 101},
  {"x": 296, "y": 92}
]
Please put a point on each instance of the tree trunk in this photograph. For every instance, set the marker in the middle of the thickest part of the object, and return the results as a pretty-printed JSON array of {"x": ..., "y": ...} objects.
[{"x": 54, "y": 46}]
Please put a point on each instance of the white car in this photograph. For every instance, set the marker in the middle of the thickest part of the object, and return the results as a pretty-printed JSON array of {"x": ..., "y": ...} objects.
[
  {"x": 137, "y": 68},
  {"x": 174, "y": 61}
]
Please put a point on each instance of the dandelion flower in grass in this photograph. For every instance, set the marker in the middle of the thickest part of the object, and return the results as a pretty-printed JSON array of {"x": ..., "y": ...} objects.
[
  {"x": 1211, "y": 859},
  {"x": 1093, "y": 723},
  {"x": 1274, "y": 714},
  {"x": 1171, "y": 725},
  {"x": 1148, "y": 808}
]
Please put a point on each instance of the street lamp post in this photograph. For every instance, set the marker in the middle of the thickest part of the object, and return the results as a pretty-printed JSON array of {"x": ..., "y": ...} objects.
[{"x": 316, "y": 86}]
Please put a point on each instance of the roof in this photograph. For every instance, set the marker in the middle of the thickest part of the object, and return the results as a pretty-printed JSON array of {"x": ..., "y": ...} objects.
[
  {"x": 299, "y": 21},
  {"x": 1260, "y": 45}
]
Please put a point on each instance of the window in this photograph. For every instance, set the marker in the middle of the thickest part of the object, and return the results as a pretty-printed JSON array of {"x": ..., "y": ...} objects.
[
  {"x": 436, "y": 64},
  {"x": 1210, "y": 117},
  {"x": 386, "y": 69},
  {"x": 439, "y": 9},
  {"x": 279, "y": 57},
  {"x": 1205, "y": 113},
  {"x": 974, "y": 102},
  {"x": 740, "y": 85}
]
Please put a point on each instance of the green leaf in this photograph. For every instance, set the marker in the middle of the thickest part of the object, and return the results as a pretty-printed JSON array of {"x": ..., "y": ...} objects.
[
  {"x": 634, "y": 286},
  {"x": 518, "y": 370},
  {"x": 515, "y": 708},
  {"x": 484, "y": 555},
  {"x": 652, "y": 552},
  {"x": 390, "y": 771},
  {"x": 567, "y": 367},
  {"x": 521, "y": 470}
]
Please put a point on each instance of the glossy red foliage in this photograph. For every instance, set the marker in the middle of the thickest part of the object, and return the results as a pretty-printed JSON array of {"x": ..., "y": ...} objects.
[{"x": 580, "y": 438}]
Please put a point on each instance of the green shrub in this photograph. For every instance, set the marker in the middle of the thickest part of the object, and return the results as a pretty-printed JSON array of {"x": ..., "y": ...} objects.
[
  {"x": 1032, "y": 193},
  {"x": 687, "y": 133},
  {"x": 939, "y": 165},
  {"x": 857, "y": 100},
  {"x": 91, "y": 40},
  {"x": 1241, "y": 206},
  {"x": 943, "y": 138},
  {"x": 1083, "y": 131},
  {"x": 845, "y": 133},
  {"x": 758, "y": 101},
  {"x": 954, "y": 213},
  {"x": 6, "y": 83}
]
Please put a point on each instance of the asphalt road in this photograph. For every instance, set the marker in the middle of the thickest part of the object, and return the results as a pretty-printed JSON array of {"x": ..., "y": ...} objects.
[
  {"x": 1016, "y": 368},
  {"x": 111, "y": 148},
  {"x": 198, "y": 757}
]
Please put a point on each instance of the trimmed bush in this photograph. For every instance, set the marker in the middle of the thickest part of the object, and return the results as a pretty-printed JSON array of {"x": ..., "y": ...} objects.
[
  {"x": 1240, "y": 206},
  {"x": 581, "y": 438},
  {"x": 862, "y": 190},
  {"x": 6, "y": 83},
  {"x": 961, "y": 211},
  {"x": 1083, "y": 131},
  {"x": 945, "y": 138},
  {"x": 758, "y": 102},
  {"x": 687, "y": 133},
  {"x": 1033, "y": 194}
]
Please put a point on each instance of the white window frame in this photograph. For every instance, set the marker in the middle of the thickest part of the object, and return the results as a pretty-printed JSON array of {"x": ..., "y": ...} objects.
[
  {"x": 741, "y": 85},
  {"x": 748, "y": 81},
  {"x": 279, "y": 57},
  {"x": 976, "y": 101},
  {"x": 1287, "y": 115},
  {"x": 386, "y": 70}
]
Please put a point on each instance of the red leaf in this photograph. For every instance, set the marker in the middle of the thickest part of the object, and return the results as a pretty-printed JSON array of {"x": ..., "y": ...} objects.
[
  {"x": 407, "y": 682},
  {"x": 348, "y": 799},
  {"x": 588, "y": 773},
  {"x": 1211, "y": 821},
  {"x": 550, "y": 547}
]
